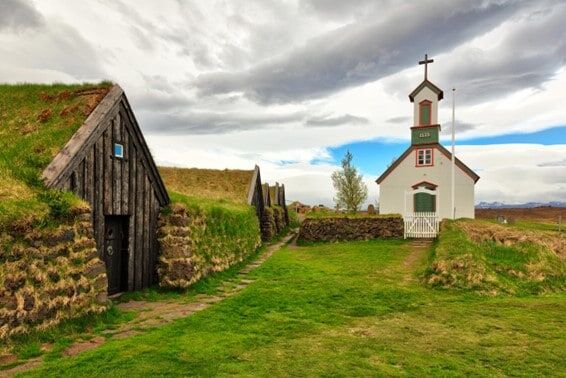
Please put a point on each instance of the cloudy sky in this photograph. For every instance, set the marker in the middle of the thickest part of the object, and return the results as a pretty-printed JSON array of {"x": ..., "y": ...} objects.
[{"x": 292, "y": 85}]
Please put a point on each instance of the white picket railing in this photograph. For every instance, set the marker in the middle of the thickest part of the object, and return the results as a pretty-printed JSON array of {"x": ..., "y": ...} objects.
[{"x": 421, "y": 225}]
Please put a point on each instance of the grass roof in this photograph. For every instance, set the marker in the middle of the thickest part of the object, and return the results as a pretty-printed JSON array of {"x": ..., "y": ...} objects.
[
  {"x": 36, "y": 121},
  {"x": 212, "y": 184}
]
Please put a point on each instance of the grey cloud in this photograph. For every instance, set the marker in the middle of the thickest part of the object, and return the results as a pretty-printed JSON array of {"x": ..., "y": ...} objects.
[
  {"x": 159, "y": 101},
  {"x": 362, "y": 51},
  {"x": 19, "y": 15},
  {"x": 336, "y": 120},
  {"x": 341, "y": 10},
  {"x": 530, "y": 55},
  {"x": 214, "y": 123},
  {"x": 401, "y": 119},
  {"x": 561, "y": 163},
  {"x": 58, "y": 47},
  {"x": 461, "y": 127}
]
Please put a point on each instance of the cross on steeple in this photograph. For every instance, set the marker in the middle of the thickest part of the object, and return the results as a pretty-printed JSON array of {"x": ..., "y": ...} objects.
[{"x": 426, "y": 61}]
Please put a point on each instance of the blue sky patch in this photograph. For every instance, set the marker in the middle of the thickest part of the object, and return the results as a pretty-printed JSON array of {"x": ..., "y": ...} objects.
[{"x": 373, "y": 157}]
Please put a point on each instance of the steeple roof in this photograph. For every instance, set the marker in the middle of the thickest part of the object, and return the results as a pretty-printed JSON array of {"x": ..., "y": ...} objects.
[{"x": 429, "y": 85}]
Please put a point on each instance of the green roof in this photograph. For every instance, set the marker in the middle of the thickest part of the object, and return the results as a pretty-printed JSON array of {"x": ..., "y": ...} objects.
[
  {"x": 36, "y": 121},
  {"x": 214, "y": 184}
]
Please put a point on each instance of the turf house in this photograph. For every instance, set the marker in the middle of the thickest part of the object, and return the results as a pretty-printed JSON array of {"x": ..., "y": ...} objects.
[
  {"x": 80, "y": 198},
  {"x": 108, "y": 164},
  {"x": 212, "y": 223},
  {"x": 233, "y": 185}
]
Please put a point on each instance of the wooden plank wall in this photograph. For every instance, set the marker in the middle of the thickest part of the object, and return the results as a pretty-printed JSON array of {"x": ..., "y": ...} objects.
[
  {"x": 257, "y": 200},
  {"x": 116, "y": 186}
]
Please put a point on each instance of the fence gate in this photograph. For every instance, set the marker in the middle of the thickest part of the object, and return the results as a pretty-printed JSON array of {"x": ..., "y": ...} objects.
[{"x": 421, "y": 225}]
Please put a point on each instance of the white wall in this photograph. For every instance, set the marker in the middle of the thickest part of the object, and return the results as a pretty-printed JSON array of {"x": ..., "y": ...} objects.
[
  {"x": 426, "y": 94},
  {"x": 405, "y": 175}
]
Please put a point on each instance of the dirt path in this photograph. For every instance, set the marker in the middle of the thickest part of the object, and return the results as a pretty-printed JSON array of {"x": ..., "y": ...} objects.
[
  {"x": 155, "y": 314},
  {"x": 419, "y": 248}
]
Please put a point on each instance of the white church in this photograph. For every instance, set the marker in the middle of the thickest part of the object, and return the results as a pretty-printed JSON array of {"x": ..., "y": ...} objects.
[{"x": 420, "y": 181}]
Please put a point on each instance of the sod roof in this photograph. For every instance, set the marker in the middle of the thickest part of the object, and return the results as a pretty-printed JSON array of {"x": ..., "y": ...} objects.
[
  {"x": 214, "y": 184},
  {"x": 36, "y": 121}
]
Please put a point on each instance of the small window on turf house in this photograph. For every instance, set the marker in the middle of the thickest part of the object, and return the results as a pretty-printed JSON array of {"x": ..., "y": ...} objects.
[
  {"x": 118, "y": 150},
  {"x": 424, "y": 157}
]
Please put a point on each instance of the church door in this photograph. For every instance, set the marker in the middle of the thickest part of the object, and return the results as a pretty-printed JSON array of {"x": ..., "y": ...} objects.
[{"x": 425, "y": 203}]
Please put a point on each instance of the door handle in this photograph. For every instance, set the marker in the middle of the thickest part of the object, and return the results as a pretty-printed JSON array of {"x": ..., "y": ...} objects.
[{"x": 109, "y": 250}]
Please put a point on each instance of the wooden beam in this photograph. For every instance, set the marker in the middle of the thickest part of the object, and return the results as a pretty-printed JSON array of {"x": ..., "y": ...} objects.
[{"x": 85, "y": 136}]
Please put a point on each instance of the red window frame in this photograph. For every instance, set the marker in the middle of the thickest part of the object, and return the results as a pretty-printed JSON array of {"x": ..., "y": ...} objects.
[
  {"x": 431, "y": 163},
  {"x": 423, "y": 104}
]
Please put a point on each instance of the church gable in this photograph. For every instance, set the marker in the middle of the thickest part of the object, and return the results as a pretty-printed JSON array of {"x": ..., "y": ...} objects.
[{"x": 412, "y": 155}]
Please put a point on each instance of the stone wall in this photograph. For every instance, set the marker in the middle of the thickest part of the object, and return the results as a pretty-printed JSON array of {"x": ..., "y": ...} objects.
[
  {"x": 195, "y": 242},
  {"x": 48, "y": 275},
  {"x": 268, "y": 226},
  {"x": 344, "y": 228},
  {"x": 279, "y": 217}
]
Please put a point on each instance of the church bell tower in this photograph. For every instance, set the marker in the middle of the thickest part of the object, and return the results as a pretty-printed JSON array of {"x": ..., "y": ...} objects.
[{"x": 425, "y": 97}]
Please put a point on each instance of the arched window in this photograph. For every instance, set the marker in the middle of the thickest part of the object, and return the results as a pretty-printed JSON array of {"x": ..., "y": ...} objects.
[{"x": 424, "y": 113}]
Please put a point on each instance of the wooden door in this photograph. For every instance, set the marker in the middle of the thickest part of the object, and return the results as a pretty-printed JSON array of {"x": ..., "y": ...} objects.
[
  {"x": 116, "y": 253},
  {"x": 425, "y": 203}
]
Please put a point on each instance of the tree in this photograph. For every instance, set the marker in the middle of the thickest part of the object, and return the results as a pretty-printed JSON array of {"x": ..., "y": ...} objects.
[{"x": 351, "y": 191}]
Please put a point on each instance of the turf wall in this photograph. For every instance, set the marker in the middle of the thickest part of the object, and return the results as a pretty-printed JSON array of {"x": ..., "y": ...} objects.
[
  {"x": 197, "y": 238},
  {"x": 350, "y": 228},
  {"x": 50, "y": 274}
]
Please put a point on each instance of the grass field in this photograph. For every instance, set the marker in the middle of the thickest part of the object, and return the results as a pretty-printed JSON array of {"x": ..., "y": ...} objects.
[
  {"x": 353, "y": 308},
  {"x": 544, "y": 218}
]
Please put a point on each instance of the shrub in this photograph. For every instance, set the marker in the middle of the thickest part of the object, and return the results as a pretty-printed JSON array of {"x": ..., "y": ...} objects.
[{"x": 293, "y": 219}]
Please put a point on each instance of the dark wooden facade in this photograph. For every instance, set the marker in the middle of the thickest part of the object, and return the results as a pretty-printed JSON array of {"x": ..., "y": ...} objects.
[
  {"x": 283, "y": 202},
  {"x": 255, "y": 193},
  {"x": 266, "y": 195},
  {"x": 127, "y": 188}
]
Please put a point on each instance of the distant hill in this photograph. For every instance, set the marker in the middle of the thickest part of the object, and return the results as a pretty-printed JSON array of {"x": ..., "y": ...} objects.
[{"x": 528, "y": 205}]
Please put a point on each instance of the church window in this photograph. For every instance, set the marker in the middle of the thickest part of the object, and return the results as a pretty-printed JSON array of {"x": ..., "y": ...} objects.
[
  {"x": 424, "y": 157},
  {"x": 424, "y": 113}
]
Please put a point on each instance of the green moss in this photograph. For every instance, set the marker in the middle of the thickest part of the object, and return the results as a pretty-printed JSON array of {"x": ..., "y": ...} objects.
[{"x": 36, "y": 121}]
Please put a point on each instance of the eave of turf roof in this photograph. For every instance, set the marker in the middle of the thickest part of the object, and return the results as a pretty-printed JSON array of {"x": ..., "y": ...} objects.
[
  {"x": 229, "y": 184},
  {"x": 36, "y": 121}
]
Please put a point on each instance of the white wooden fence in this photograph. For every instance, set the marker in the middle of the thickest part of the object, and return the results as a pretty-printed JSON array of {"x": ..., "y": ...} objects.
[{"x": 421, "y": 225}]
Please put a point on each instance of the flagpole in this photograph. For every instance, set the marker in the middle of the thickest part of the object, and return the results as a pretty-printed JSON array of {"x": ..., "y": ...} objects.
[{"x": 453, "y": 151}]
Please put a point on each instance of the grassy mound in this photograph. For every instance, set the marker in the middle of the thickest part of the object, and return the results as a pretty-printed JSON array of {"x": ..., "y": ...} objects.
[
  {"x": 230, "y": 185},
  {"x": 493, "y": 259},
  {"x": 36, "y": 121},
  {"x": 199, "y": 237}
]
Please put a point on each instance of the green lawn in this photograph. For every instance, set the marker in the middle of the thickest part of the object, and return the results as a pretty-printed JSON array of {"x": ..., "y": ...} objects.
[{"x": 343, "y": 309}]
